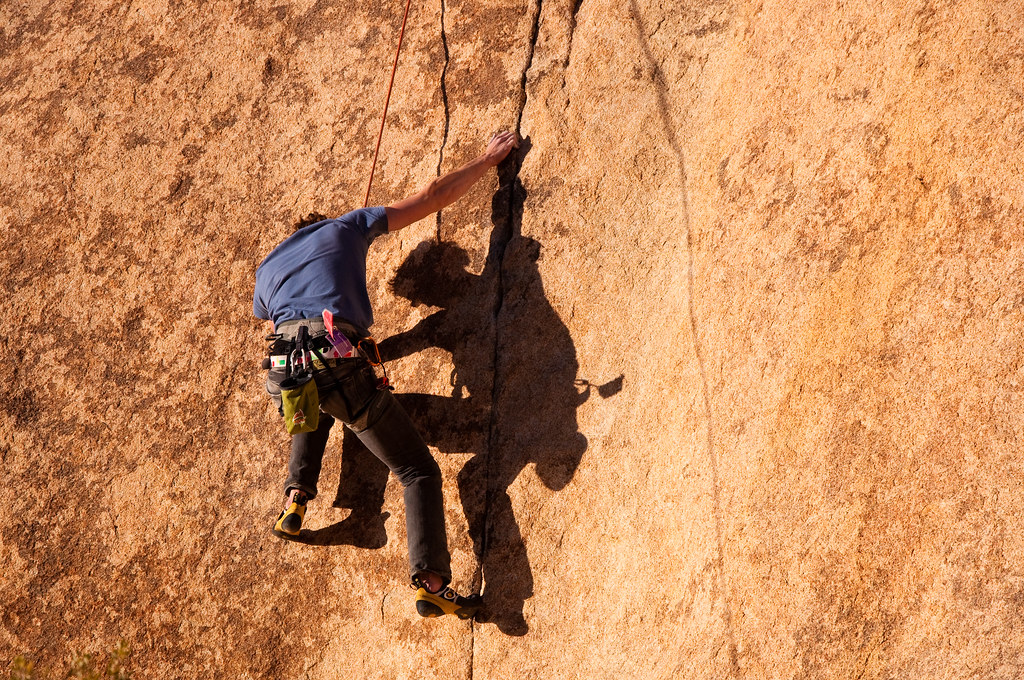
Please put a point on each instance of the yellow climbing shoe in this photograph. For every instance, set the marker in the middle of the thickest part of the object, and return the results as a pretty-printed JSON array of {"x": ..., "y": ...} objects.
[
  {"x": 290, "y": 520},
  {"x": 447, "y": 601}
]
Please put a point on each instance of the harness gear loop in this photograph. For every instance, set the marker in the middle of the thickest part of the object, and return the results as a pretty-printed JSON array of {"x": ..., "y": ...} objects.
[
  {"x": 372, "y": 355},
  {"x": 387, "y": 101}
]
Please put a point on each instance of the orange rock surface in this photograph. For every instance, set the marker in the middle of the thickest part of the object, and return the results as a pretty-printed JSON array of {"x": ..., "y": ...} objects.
[{"x": 723, "y": 371}]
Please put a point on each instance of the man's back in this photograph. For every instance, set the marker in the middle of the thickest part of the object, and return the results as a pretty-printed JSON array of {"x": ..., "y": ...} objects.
[{"x": 322, "y": 266}]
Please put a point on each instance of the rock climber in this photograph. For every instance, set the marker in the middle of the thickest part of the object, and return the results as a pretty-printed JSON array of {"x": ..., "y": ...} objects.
[{"x": 322, "y": 268}]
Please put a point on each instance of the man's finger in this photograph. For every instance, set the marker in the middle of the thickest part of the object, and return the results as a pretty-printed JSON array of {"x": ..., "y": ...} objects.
[{"x": 507, "y": 137}]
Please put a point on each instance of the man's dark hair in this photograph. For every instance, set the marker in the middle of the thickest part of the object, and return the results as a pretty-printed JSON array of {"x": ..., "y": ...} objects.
[{"x": 311, "y": 218}]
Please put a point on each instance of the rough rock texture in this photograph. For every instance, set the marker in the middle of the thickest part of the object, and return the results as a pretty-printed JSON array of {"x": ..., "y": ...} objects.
[{"x": 723, "y": 370}]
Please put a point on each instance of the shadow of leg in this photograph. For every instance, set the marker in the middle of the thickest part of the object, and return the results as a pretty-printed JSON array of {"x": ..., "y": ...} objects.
[
  {"x": 359, "y": 529},
  {"x": 472, "y": 482},
  {"x": 506, "y": 568},
  {"x": 447, "y": 423}
]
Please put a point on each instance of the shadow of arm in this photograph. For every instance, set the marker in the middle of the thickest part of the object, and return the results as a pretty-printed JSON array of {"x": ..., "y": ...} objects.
[{"x": 421, "y": 336}]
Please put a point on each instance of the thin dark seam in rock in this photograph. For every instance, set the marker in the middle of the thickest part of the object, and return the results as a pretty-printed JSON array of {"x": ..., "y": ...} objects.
[
  {"x": 664, "y": 108},
  {"x": 447, "y": 110}
]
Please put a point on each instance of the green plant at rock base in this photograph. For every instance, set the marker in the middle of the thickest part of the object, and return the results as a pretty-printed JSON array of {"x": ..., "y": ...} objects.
[
  {"x": 82, "y": 668},
  {"x": 22, "y": 669}
]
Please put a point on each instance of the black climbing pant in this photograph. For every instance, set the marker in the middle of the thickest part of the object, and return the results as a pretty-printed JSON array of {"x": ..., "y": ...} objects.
[{"x": 348, "y": 392}]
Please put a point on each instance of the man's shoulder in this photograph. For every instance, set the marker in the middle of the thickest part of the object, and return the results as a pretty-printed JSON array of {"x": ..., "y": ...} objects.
[
  {"x": 370, "y": 214},
  {"x": 368, "y": 221}
]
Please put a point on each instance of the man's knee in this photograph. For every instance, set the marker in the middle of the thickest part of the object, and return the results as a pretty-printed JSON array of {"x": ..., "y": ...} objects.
[{"x": 423, "y": 472}]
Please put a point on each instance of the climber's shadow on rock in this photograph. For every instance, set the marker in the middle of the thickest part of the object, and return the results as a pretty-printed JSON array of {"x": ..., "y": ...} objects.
[{"x": 528, "y": 417}]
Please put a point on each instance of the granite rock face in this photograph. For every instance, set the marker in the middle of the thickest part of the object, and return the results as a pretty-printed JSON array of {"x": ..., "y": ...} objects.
[{"x": 723, "y": 370}]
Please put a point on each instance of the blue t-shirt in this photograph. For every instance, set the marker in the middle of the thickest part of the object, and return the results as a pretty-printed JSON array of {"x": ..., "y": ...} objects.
[{"x": 322, "y": 266}]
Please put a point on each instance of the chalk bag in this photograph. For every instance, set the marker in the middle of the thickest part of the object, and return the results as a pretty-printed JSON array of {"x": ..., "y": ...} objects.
[{"x": 300, "y": 402}]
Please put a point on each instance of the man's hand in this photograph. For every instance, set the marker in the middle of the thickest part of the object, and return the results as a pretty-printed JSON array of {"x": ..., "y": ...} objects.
[
  {"x": 499, "y": 147},
  {"x": 445, "y": 190}
]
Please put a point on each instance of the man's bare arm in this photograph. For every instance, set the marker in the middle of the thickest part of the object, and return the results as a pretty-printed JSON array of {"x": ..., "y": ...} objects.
[{"x": 445, "y": 190}]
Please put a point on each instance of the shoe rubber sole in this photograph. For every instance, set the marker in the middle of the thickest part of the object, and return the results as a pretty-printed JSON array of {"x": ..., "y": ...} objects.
[
  {"x": 431, "y": 605},
  {"x": 289, "y": 522}
]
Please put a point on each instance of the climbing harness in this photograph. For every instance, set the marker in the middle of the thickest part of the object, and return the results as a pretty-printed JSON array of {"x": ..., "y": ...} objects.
[
  {"x": 387, "y": 101},
  {"x": 302, "y": 358}
]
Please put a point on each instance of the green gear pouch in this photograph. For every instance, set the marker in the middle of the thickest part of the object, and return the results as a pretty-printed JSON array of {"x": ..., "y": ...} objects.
[{"x": 300, "y": 402}]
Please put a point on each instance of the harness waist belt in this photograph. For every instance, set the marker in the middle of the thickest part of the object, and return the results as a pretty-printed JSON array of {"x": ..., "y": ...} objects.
[
  {"x": 288, "y": 329},
  {"x": 281, "y": 360}
]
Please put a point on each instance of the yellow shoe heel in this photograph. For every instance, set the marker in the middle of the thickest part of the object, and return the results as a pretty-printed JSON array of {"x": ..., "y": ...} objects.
[{"x": 289, "y": 523}]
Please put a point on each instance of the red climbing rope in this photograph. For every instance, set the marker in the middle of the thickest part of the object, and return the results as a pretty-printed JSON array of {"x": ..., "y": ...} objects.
[{"x": 380, "y": 136}]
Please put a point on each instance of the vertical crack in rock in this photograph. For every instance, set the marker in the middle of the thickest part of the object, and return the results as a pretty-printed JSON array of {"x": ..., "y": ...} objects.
[
  {"x": 447, "y": 109},
  {"x": 508, "y": 180},
  {"x": 665, "y": 112},
  {"x": 472, "y": 646},
  {"x": 577, "y": 4},
  {"x": 534, "y": 32}
]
